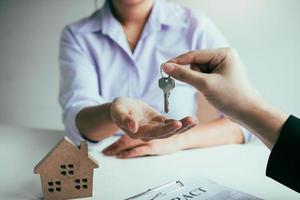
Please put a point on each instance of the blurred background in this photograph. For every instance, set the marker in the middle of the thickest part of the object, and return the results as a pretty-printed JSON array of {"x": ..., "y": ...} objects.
[{"x": 265, "y": 32}]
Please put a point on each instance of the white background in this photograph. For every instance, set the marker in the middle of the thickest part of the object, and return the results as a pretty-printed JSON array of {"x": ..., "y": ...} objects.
[{"x": 265, "y": 32}]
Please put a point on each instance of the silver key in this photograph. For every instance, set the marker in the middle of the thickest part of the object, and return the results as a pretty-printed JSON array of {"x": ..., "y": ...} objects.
[{"x": 166, "y": 84}]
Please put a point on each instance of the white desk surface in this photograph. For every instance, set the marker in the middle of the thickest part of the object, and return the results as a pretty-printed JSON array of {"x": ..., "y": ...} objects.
[{"x": 237, "y": 166}]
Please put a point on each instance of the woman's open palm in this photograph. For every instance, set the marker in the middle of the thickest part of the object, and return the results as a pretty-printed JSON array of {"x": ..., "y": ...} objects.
[{"x": 140, "y": 121}]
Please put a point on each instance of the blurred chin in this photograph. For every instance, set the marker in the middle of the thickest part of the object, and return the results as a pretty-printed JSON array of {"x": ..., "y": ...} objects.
[{"x": 129, "y": 2}]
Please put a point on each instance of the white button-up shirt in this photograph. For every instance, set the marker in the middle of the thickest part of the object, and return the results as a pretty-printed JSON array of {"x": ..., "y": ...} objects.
[{"x": 97, "y": 64}]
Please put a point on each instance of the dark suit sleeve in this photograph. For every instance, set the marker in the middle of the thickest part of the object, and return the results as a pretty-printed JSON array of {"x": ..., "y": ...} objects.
[{"x": 284, "y": 161}]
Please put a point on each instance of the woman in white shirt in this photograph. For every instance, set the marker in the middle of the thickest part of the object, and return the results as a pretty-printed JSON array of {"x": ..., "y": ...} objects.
[{"x": 118, "y": 52}]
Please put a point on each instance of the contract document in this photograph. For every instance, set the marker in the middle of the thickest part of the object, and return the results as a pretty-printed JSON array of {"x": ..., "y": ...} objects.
[{"x": 195, "y": 188}]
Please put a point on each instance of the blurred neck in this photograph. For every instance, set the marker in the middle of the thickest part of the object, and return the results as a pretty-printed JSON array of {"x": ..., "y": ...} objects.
[{"x": 132, "y": 14}]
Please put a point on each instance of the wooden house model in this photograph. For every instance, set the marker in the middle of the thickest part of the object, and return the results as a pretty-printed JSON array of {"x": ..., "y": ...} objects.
[{"x": 67, "y": 171}]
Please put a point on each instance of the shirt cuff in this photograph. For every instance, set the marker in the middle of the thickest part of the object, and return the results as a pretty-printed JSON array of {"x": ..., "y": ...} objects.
[
  {"x": 71, "y": 130},
  {"x": 248, "y": 136}
]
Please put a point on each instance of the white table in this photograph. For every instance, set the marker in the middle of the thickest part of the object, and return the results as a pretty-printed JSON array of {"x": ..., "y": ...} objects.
[{"x": 237, "y": 166}]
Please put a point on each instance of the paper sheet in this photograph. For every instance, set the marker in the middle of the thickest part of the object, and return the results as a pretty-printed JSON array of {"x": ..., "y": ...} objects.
[{"x": 196, "y": 189}]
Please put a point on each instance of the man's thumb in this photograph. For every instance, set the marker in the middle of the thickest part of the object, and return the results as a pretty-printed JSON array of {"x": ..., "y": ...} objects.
[{"x": 185, "y": 74}]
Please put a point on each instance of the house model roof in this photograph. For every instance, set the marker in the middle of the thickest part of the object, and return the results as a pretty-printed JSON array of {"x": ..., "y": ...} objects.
[{"x": 63, "y": 150}]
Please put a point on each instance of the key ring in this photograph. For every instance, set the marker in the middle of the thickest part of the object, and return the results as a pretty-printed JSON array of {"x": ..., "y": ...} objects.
[{"x": 161, "y": 71}]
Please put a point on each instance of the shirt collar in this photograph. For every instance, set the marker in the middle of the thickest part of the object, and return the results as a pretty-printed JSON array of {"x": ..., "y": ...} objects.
[
  {"x": 169, "y": 14},
  {"x": 103, "y": 19}
]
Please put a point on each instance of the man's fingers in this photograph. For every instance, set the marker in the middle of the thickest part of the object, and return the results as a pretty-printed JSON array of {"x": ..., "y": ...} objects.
[
  {"x": 200, "y": 57},
  {"x": 185, "y": 74},
  {"x": 206, "y": 60},
  {"x": 135, "y": 152},
  {"x": 204, "y": 57}
]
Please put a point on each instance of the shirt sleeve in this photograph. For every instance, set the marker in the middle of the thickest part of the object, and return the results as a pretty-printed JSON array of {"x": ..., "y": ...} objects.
[
  {"x": 207, "y": 36},
  {"x": 79, "y": 85},
  {"x": 284, "y": 161}
]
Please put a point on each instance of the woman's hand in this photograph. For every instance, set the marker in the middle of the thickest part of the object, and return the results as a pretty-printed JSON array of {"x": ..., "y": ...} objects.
[
  {"x": 139, "y": 121},
  {"x": 126, "y": 147}
]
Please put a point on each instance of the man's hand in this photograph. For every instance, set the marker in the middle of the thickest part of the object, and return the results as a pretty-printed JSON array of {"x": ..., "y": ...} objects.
[
  {"x": 139, "y": 121},
  {"x": 218, "y": 73},
  {"x": 126, "y": 147}
]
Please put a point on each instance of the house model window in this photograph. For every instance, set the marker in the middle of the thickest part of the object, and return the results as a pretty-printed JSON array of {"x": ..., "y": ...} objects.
[
  {"x": 54, "y": 186},
  {"x": 67, "y": 171},
  {"x": 81, "y": 183}
]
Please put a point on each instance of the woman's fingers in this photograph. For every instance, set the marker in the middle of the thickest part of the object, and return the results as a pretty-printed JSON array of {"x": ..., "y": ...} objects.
[
  {"x": 135, "y": 152},
  {"x": 165, "y": 129},
  {"x": 187, "y": 123},
  {"x": 126, "y": 147},
  {"x": 122, "y": 116},
  {"x": 186, "y": 129},
  {"x": 122, "y": 144}
]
